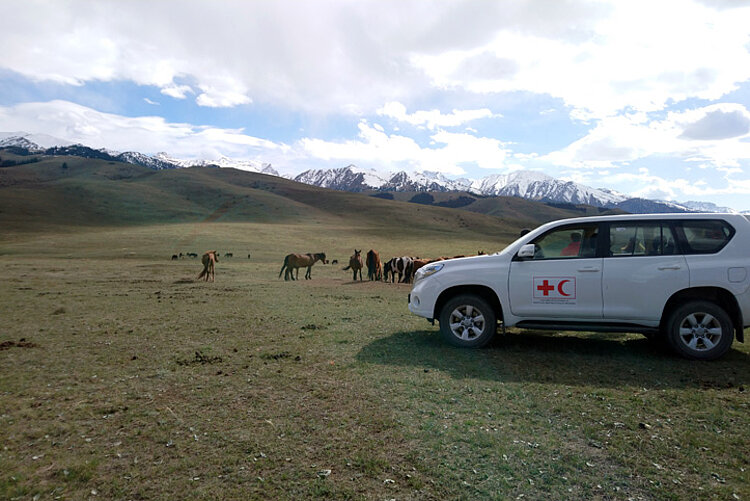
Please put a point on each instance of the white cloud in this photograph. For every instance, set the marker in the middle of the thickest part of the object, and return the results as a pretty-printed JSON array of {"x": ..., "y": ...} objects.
[
  {"x": 433, "y": 119},
  {"x": 639, "y": 56},
  {"x": 375, "y": 147},
  {"x": 598, "y": 57},
  {"x": 176, "y": 91},
  {"x": 712, "y": 135},
  {"x": 149, "y": 134}
]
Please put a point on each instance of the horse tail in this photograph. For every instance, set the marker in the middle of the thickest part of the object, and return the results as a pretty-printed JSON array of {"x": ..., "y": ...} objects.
[
  {"x": 286, "y": 263},
  {"x": 346, "y": 268}
]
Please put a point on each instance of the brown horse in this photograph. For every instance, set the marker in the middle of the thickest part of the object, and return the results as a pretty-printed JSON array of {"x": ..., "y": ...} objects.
[
  {"x": 374, "y": 266},
  {"x": 209, "y": 260},
  {"x": 356, "y": 264},
  {"x": 296, "y": 261}
]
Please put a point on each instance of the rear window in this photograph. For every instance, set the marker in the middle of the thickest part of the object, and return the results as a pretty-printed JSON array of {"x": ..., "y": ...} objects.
[{"x": 704, "y": 236}]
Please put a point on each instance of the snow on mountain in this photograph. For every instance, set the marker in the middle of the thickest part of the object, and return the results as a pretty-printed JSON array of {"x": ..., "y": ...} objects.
[
  {"x": 351, "y": 178},
  {"x": 706, "y": 207},
  {"x": 535, "y": 185},
  {"x": 226, "y": 162},
  {"x": 133, "y": 157},
  {"x": 32, "y": 142}
]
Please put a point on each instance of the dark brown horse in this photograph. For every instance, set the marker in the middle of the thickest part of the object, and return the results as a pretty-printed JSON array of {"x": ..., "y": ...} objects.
[
  {"x": 356, "y": 264},
  {"x": 209, "y": 260},
  {"x": 296, "y": 261},
  {"x": 374, "y": 266}
]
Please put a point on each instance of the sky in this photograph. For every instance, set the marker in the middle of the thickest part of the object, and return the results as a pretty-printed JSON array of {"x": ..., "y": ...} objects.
[{"x": 649, "y": 98}]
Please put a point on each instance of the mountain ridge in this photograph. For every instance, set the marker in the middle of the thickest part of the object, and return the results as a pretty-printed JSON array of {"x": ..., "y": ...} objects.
[{"x": 530, "y": 185}]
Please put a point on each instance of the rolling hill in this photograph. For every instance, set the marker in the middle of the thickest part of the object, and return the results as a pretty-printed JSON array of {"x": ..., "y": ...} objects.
[{"x": 42, "y": 191}]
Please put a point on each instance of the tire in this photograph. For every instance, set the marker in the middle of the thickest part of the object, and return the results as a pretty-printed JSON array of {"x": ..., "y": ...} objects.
[
  {"x": 700, "y": 330},
  {"x": 467, "y": 321}
]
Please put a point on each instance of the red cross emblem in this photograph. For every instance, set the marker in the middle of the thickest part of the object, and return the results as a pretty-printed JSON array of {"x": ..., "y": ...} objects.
[{"x": 545, "y": 288}]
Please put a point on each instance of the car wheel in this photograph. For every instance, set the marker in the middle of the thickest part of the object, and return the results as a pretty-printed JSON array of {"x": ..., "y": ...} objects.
[
  {"x": 468, "y": 321},
  {"x": 700, "y": 330}
]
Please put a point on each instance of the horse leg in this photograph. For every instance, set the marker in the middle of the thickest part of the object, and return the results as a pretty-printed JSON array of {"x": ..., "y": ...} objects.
[{"x": 308, "y": 273}]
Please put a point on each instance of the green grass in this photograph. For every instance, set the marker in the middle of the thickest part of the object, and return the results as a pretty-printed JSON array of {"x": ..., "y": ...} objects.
[{"x": 138, "y": 382}]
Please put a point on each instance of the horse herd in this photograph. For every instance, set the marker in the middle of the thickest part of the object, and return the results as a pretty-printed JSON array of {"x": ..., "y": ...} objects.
[{"x": 404, "y": 266}]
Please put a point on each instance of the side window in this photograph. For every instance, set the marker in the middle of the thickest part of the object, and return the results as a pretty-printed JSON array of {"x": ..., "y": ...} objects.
[
  {"x": 641, "y": 239},
  {"x": 568, "y": 242},
  {"x": 704, "y": 236}
]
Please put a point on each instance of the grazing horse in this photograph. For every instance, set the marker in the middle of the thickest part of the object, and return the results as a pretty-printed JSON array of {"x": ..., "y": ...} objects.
[
  {"x": 374, "y": 266},
  {"x": 209, "y": 260},
  {"x": 401, "y": 265},
  {"x": 296, "y": 261},
  {"x": 356, "y": 264},
  {"x": 417, "y": 264}
]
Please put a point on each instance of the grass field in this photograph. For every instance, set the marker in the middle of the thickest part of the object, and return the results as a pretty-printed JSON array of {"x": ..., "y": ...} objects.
[{"x": 121, "y": 377}]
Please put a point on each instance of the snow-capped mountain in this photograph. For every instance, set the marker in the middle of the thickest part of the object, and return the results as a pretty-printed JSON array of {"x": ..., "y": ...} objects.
[
  {"x": 35, "y": 142},
  {"x": 224, "y": 162},
  {"x": 706, "y": 207},
  {"x": 48, "y": 145},
  {"x": 526, "y": 184},
  {"x": 350, "y": 178},
  {"x": 538, "y": 186}
]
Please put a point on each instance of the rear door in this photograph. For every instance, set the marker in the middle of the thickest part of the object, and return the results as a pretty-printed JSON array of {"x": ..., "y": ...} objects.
[{"x": 642, "y": 269}]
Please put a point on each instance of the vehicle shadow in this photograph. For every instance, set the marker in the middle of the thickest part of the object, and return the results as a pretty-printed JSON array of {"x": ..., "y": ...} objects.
[{"x": 602, "y": 360}]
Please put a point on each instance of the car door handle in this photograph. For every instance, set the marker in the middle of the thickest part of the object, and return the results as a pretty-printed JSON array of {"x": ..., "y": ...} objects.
[
  {"x": 588, "y": 269},
  {"x": 669, "y": 267}
]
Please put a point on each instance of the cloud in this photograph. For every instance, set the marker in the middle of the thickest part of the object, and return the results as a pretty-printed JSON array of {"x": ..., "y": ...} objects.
[
  {"x": 433, "y": 118},
  {"x": 447, "y": 154},
  {"x": 147, "y": 134},
  {"x": 149, "y": 101},
  {"x": 718, "y": 124},
  {"x": 712, "y": 135},
  {"x": 353, "y": 56},
  {"x": 176, "y": 91}
]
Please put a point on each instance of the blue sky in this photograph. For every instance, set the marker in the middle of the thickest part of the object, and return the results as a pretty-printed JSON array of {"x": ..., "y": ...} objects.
[{"x": 647, "y": 98}]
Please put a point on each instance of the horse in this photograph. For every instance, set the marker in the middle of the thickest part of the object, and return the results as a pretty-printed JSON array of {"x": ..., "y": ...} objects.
[
  {"x": 374, "y": 266},
  {"x": 417, "y": 264},
  {"x": 296, "y": 261},
  {"x": 355, "y": 263},
  {"x": 401, "y": 265},
  {"x": 209, "y": 259}
]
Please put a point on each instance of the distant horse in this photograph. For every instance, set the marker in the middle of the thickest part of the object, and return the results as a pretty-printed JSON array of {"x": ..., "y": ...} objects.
[
  {"x": 209, "y": 260},
  {"x": 356, "y": 264},
  {"x": 374, "y": 266},
  {"x": 174, "y": 257},
  {"x": 401, "y": 265},
  {"x": 296, "y": 261}
]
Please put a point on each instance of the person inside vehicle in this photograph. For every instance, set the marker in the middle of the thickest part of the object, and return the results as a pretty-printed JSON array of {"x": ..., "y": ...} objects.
[{"x": 572, "y": 248}]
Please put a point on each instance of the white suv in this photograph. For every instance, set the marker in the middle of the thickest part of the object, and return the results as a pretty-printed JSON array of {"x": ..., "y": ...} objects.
[{"x": 681, "y": 279}]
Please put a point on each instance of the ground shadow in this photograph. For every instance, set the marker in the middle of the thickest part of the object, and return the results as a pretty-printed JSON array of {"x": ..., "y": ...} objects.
[{"x": 560, "y": 358}]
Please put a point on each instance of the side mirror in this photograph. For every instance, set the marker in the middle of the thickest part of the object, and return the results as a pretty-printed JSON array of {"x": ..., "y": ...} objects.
[{"x": 526, "y": 252}]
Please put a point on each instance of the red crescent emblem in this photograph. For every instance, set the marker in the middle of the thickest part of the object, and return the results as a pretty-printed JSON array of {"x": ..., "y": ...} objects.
[{"x": 560, "y": 287}]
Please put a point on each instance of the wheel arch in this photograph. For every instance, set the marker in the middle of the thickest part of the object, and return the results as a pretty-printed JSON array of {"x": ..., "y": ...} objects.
[
  {"x": 482, "y": 291},
  {"x": 721, "y": 297}
]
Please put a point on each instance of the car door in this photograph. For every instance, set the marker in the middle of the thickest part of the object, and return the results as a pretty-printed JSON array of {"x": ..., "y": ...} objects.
[
  {"x": 642, "y": 270},
  {"x": 564, "y": 278}
]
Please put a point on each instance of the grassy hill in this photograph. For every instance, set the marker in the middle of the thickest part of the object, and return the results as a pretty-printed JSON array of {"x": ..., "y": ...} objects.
[{"x": 71, "y": 191}]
